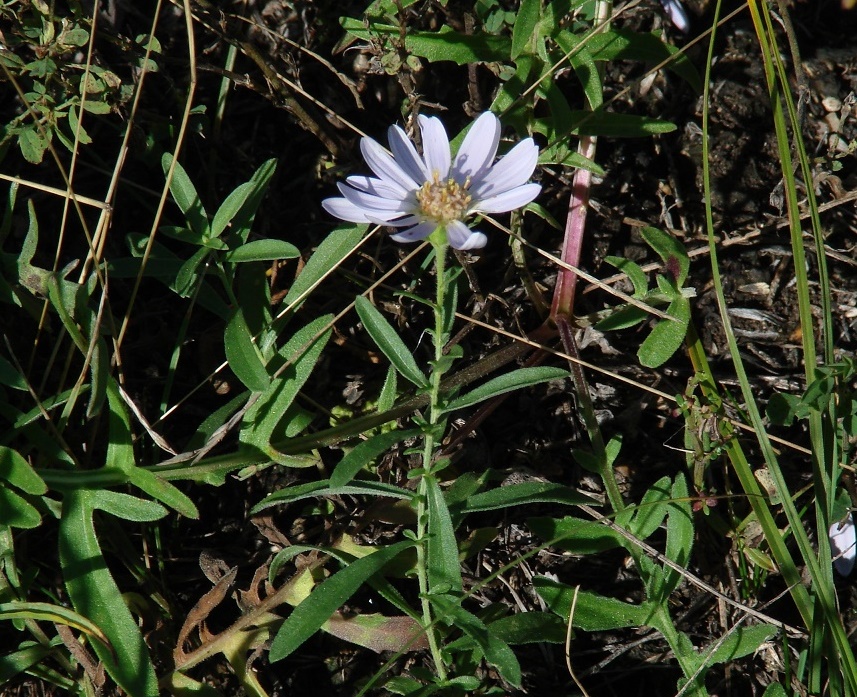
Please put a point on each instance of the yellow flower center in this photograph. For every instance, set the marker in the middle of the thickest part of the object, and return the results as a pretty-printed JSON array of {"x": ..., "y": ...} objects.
[{"x": 444, "y": 201}]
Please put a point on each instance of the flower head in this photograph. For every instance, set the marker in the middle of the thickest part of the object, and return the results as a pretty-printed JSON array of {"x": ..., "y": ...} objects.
[{"x": 423, "y": 192}]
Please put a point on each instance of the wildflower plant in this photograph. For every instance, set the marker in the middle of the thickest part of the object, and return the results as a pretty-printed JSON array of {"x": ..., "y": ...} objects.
[
  {"x": 432, "y": 192},
  {"x": 112, "y": 447}
]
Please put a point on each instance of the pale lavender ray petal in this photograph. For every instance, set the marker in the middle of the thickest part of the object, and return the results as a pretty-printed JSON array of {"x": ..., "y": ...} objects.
[
  {"x": 508, "y": 200},
  {"x": 463, "y": 238},
  {"x": 344, "y": 210},
  {"x": 416, "y": 233},
  {"x": 398, "y": 222},
  {"x": 510, "y": 172},
  {"x": 478, "y": 150},
  {"x": 435, "y": 146},
  {"x": 383, "y": 189},
  {"x": 370, "y": 202},
  {"x": 406, "y": 154},
  {"x": 385, "y": 166},
  {"x": 378, "y": 187}
]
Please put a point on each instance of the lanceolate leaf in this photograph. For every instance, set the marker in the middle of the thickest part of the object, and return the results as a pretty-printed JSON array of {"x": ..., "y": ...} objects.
[
  {"x": 592, "y": 612},
  {"x": 444, "y": 568},
  {"x": 364, "y": 453},
  {"x": 308, "y": 617},
  {"x": 243, "y": 356},
  {"x": 517, "y": 379},
  {"x": 496, "y": 651},
  {"x": 185, "y": 195},
  {"x": 389, "y": 342},
  {"x": 323, "y": 488},
  {"x": 94, "y": 594}
]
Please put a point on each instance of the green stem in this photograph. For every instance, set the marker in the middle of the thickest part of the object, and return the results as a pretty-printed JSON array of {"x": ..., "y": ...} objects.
[{"x": 429, "y": 446}]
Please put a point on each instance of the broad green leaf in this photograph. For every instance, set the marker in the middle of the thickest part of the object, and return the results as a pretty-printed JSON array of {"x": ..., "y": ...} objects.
[
  {"x": 94, "y": 594},
  {"x": 243, "y": 356},
  {"x": 443, "y": 565},
  {"x": 263, "y": 250},
  {"x": 593, "y": 612},
  {"x": 671, "y": 251},
  {"x": 611, "y": 125},
  {"x": 496, "y": 651},
  {"x": 323, "y": 488},
  {"x": 667, "y": 335},
  {"x": 522, "y": 494},
  {"x": 16, "y": 470},
  {"x": 517, "y": 379},
  {"x": 524, "y": 30},
  {"x": 163, "y": 491},
  {"x": 308, "y": 617},
  {"x": 16, "y": 512},
  {"x": 10, "y": 376},
  {"x": 741, "y": 642},
  {"x": 390, "y": 343},
  {"x": 529, "y": 628},
  {"x": 333, "y": 249},
  {"x": 185, "y": 195},
  {"x": 576, "y": 535},
  {"x": 775, "y": 690},
  {"x": 362, "y": 454},
  {"x": 621, "y": 44}
]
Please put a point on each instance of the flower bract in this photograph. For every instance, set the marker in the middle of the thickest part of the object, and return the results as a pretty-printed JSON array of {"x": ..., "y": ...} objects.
[{"x": 420, "y": 193}]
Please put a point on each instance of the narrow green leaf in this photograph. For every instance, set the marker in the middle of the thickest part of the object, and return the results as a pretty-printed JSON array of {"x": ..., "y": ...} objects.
[
  {"x": 680, "y": 534},
  {"x": 94, "y": 594},
  {"x": 652, "y": 510},
  {"x": 263, "y": 250},
  {"x": 308, "y": 617},
  {"x": 328, "y": 255},
  {"x": 633, "y": 271},
  {"x": 185, "y": 195},
  {"x": 11, "y": 377},
  {"x": 529, "y": 628},
  {"x": 241, "y": 205},
  {"x": 302, "y": 352},
  {"x": 362, "y": 454},
  {"x": 521, "y": 494},
  {"x": 17, "y": 662},
  {"x": 323, "y": 488},
  {"x": 163, "y": 491},
  {"x": 16, "y": 470},
  {"x": 243, "y": 356},
  {"x": 496, "y": 651},
  {"x": 126, "y": 506},
  {"x": 443, "y": 45},
  {"x": 443, "y": 565},
  {"x": 524, "y": 30},
  {"x": 47, "y": 612},
  {"x": 389, "y": 342},
  {"x": 516, "y": 380}
]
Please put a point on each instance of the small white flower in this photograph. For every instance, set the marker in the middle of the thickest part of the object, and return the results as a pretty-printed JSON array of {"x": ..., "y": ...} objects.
[{"x": 424, "y": 192}]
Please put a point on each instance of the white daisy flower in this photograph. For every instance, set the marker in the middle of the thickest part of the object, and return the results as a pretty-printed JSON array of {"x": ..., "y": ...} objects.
[{"x": 423, "y": 192}]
